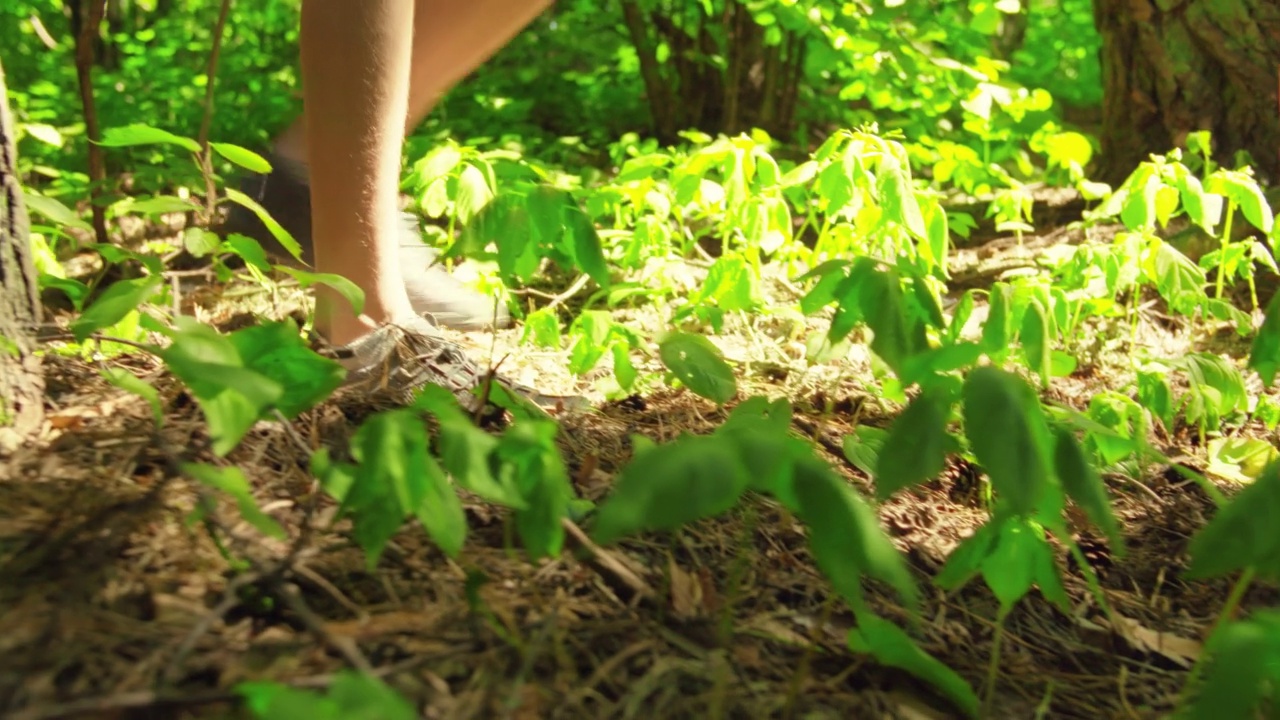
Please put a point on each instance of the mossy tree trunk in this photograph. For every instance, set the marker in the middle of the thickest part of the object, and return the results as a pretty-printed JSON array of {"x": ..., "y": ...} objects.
[
  {"x": 1172, "y": 67},
  {"x": 21, "y": 381}
]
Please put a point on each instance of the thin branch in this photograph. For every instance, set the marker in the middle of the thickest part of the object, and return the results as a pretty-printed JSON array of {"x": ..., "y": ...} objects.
[
  {"x": 211, "y": 74},
  {"x": 85, "y": 44}
]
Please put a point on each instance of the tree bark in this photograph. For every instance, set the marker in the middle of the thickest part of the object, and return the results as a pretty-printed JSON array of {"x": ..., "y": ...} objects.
[
  {"x": 21, "y": 379},
  {"x": 1172, "y": 67}
]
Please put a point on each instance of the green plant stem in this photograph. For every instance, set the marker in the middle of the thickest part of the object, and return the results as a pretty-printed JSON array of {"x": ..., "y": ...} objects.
[
  {"x": 1228, "y": 611},
  {"x": 1222, "y": 249}
]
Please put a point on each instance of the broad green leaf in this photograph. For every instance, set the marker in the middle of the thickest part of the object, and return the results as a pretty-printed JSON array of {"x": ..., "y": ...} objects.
[
  {"x": 247, "y": 159},
  {"x": 352, "y": 696},
  {"x": 131, "y": 383},
  {"x": 588, "y": 251},
  {"x": 590, "y": 334},
  {"x": 473, "y": 193},
  {"x": 1009, "y": 568},
  {"x": 233, "y": 398},
  {"x": 1083, "y": 483},
  {"x": 277, "y": 351},
  {"x": 1243, "y": 659},
  {"x": 248, "y": 249},
  {"x": 1242, "y": 534},
  {"x": 997, "y": 332},
  {"x": 697, "y": 363},
  {"x": 1139, "y": 212},
  {"x": 1005, "y": 428},
  {"x": 339, "y": 284},
  {"x": 118, "y": 300},
  {"x": 75, "y": 290},
  {"x": 1240, "y": 459},
  {"x": 862, "y": 447},
  {"x": 393, "y": 481},
  {"x": 890, "y": 646},
  {"x": 466, "y": 450},
  {"x": 137, "y": 134},
  {"x": 967, "y": 558},
  {"x": 231, "y": 480},
  {"x": 896, "y": 337},
  {"x": 1243, "y": 189},
  {"x": 46, "y": 134},
  {"x": 54, "y": 211},
  {"x": 277, "y": 231},
  {"x": 440, "y": 510},
  {"x": 916, "y": 449},
  {"x": 1035, "y": 341},
  {"x": 531, "y": 461},
  {"x": 899, "y": 199},
  {"x": 438, "y": 163},
  {"x": 542, "y": 326},
  {"x": 200, "y": 242},
  {"x": 663, "y": 489},
  {"x": 1264, "y": 357},
  {"x": 845, "y": 536}
]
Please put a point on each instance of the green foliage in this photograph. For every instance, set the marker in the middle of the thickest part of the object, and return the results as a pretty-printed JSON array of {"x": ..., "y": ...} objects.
[{"x": 350, "y": 695}]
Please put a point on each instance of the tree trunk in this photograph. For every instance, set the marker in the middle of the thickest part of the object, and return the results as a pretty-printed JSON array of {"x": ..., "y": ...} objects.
[
  {"x": 1171, "y": 67},
  {"x": 21, "y": 380}
]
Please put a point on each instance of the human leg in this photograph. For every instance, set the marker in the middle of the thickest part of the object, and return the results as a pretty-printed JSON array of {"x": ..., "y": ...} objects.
[{"x": 355, "y": 77}]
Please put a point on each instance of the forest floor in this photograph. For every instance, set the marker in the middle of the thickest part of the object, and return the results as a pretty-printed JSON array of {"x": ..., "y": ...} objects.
[{"x": 114, "y": 605}]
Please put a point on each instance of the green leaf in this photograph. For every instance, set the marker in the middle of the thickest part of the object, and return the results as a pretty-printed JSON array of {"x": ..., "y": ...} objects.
[
  {"x": 200, "y": 242},
  {"x": 473, "y": 193},
  {"x": 689, "y": 479},
  {"x": 118, "y": 300},
  {"x": 127, "y": 381},
  {"x": 916, "y": 449},
  {"x": 246, "y": 159},
  {"x": 890, "y": 646},
  {"x": 967, "y": 558},
  {"x": 137, "y": 134},
  {"x": 395, "y": 477},
  {"x": 1243, "y": 533},
  {"x": 898, "y": 199},
  {"x": 1240, "y": 459},
  {"x": 54, "y": 211},
  {"x": 588, "y": 251},
  {"x": 466, "y": 450},
  {"x": 1005, "y": 428},
  {"x": 352, "y": 696},
  {"x": 862, "y": 447},
  {"x": 277, "y": 231},
  {"x": 997, "y": 332},
  {"x": 530, "y": 460},
  {"x": 438, "y": 163},
  {"x": 543, "y": 327},
  {"x": 590, "y": 335},
  {"x": 277, "y": 351},
  {"x": 1264, "y": 357},
  {"x": 248, "y": 249},
  {"x": 1243, "y": 659},
  {"x": 1085, "y": 486},
  {"x": 344, "y": 287},
  {"x": 232, "y": 397},
  {"x": 1009, "y": 568},
  {"x": 699, "y": 365},
  {"x": 231, "y": 480},
  {"x": 896, "y": 337},
  {"x": 1035, "y": 341},
  {"x": 75, "y": 290},
  {"x": 845, "y": 536}
]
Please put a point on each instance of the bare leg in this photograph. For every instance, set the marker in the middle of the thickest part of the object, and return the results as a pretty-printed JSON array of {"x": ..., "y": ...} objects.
[
  {"x": 451, "y": 38},
  {"x": 355, "y": 68}
]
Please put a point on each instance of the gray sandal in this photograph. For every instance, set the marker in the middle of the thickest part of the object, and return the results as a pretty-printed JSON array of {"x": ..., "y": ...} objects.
[
  {"x": 285, "y": 193},
  {"x": 390, "y": 364}
]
